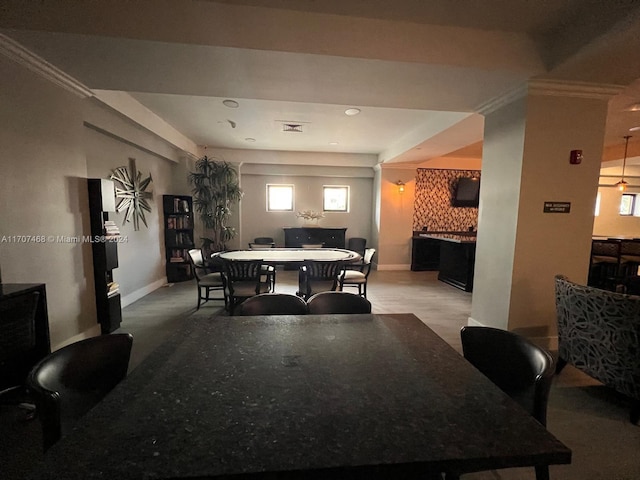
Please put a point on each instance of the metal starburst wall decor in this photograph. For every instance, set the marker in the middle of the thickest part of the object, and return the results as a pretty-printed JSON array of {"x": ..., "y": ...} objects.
[{"x": 132, "y": 194}]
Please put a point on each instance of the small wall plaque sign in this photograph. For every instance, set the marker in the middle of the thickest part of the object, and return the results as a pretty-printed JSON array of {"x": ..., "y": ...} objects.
[{"x": 557, "y": 207}]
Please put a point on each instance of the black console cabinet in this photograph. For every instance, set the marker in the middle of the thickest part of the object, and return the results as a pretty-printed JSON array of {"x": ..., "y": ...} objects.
[
  {"x": 295, "y": 237},
  {"x": 425, "y": 254},
  {"x": 23, "y": 342}
]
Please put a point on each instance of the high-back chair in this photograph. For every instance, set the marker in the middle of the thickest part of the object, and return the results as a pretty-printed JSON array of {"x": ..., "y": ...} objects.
[
  {"x": 243, "y": 280},
  {"x": 350, "y": 277},
  {"x": 605, "y": 262},
  {"x": 67, "y": 383},
  {"x": 599, "y": 334},
  {"x": 518, "y": 367},
  {"x": 318, "y": 276},
  {"x": 273, "y": 304},
  {"x": 267, "y": 241},
  {"x": 357, "y": 244},
  {"x": 206, "y": 281},
  {"x": 269, "y": 271},
  {"x": 338, "y": 302},
  {"x": 630, "y": 257}
]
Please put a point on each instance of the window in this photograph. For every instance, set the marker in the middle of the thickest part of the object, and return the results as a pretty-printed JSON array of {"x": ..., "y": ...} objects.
[
  {"x": 335, "y": 198},
  {"x": 279, "y": 198},
  {"x": 627, "y": 203}
]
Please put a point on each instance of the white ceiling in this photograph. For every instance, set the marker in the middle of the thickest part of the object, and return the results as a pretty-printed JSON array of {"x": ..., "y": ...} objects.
[{"x": 417, "y": 70}]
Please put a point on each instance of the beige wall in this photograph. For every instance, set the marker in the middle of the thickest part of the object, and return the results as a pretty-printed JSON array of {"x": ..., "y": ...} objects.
[
  {"x": 525, "y": 163},
  {"x": 395, "y": 218},
  {"x": 610, "y": 223},
  {"x": 53, "y": 140},
  {"x": 257, "y": 222},
  {"x": 141, "y": 257},
  {"x": 43, "y": 192}
]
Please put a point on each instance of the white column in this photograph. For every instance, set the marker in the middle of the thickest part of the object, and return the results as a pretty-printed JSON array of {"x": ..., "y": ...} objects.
[{"x": 521, "y": 248}]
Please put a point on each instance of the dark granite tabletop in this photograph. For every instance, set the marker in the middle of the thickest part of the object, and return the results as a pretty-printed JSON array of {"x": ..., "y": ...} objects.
[{"x": 292, "y": 397}]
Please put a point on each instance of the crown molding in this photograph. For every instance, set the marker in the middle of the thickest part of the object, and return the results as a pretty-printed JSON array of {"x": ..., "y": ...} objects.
[
  {"x": 550, "y": 87},
  {"x": 500, "y": 101},
  {"x": 19, "y": 54},
  {"x": 561, "y": 88}
]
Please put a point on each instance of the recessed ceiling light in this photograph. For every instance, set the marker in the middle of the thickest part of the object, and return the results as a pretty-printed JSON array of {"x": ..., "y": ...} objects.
[
  {"x": 333, "y": 143},
  {"x": 230, "y": 103},
  {"x": 352, "y": 111},
  {"x": 249, "y": 139},
  {"x": 634, "y": 129}
]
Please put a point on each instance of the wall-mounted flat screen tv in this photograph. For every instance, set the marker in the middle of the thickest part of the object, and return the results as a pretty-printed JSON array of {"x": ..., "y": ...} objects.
[{"x": 466, "y": 192}]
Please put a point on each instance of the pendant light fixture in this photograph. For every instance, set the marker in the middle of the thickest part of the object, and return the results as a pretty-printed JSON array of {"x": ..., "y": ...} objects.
[{"x": 622, "y": 185}]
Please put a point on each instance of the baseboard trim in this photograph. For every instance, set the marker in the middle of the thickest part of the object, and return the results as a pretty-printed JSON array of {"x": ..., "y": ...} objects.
[
  {"x": 89, "y": 333},
  {"x": 474, "y": 323},
  {"x": 550, "y": 343},
  {"x": 394, "y": 267},
  {"x": 141, "y": 292}
]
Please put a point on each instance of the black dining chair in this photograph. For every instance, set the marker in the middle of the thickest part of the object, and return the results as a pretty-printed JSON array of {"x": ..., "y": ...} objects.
[
  {"x": 338, "y": 302},
  {"x": 243, "y": 279},
  {"x": 67, "y": 383},
  {"x": 268, "y": 271},
  {"x": 357, "y": 244},
  {"x": 318, "y": 276},
  {"x": 359, "y": 275},
  {"x": 264, "y": 241},
  {"x": 273, "y": 304},
  {"x": 207, "y": 281},
  {"x": 518, "y": 367}
]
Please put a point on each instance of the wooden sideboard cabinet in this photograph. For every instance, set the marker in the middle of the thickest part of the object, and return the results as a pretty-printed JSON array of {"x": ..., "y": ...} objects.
[{"x": 295, "y": 237}]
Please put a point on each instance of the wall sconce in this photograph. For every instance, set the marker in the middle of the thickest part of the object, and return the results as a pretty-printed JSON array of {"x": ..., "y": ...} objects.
[
  {"x": 622, "y": 185},
  {"x": 400, "y": 185}
]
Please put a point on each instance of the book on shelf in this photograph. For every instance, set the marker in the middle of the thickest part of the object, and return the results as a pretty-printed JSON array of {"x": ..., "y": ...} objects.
[
  {"x": 112, "y": 289},
  {"x": 111, "y": 229},
  {"x": 180, "y": 205},
  {"x": 178, "y": 223},
  {"x": 178, "y": 255}
]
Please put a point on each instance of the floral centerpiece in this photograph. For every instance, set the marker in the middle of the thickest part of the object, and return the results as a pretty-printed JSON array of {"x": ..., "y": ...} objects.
[{"x": 310, "y": 216}]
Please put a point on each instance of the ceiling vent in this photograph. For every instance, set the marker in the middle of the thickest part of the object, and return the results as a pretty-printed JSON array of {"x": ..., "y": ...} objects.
[{"x": 293, "y": 127}]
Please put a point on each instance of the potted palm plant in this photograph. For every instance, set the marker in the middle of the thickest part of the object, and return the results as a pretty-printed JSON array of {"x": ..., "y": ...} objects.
[{"x": 215, "y": 187}]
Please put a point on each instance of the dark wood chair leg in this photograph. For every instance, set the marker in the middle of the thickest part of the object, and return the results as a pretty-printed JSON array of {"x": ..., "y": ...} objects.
[
  {"x": 635, "y": 412},
  {"x": 199, "y": 298},
  {"x": 560, "y": 364},
  {"x": 542, "y": 472}
]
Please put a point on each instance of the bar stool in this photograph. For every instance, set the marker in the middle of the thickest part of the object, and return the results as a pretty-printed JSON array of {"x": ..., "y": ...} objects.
[
  {"x": 605, "y": 262},
  {"x": 630, "y": 257}
]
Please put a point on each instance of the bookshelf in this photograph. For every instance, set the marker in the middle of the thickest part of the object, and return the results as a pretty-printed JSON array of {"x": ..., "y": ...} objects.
[
  {"x": 178, "y": 236},
  {"x": 105, "y": 234}
]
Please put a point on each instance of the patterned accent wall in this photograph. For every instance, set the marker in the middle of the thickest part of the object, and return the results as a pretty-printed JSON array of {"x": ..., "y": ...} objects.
[{"x": 432, "y": 208}]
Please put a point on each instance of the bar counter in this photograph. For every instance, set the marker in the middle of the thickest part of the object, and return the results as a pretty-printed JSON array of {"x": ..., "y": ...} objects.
[{"x": 453, "y": 254}]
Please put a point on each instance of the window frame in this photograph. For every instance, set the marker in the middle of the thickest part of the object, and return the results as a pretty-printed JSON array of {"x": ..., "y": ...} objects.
[
  {"x": 628, "y": 212},
  {"x": 280, "y": 185},
  {"x": 346, "y": 189}
]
